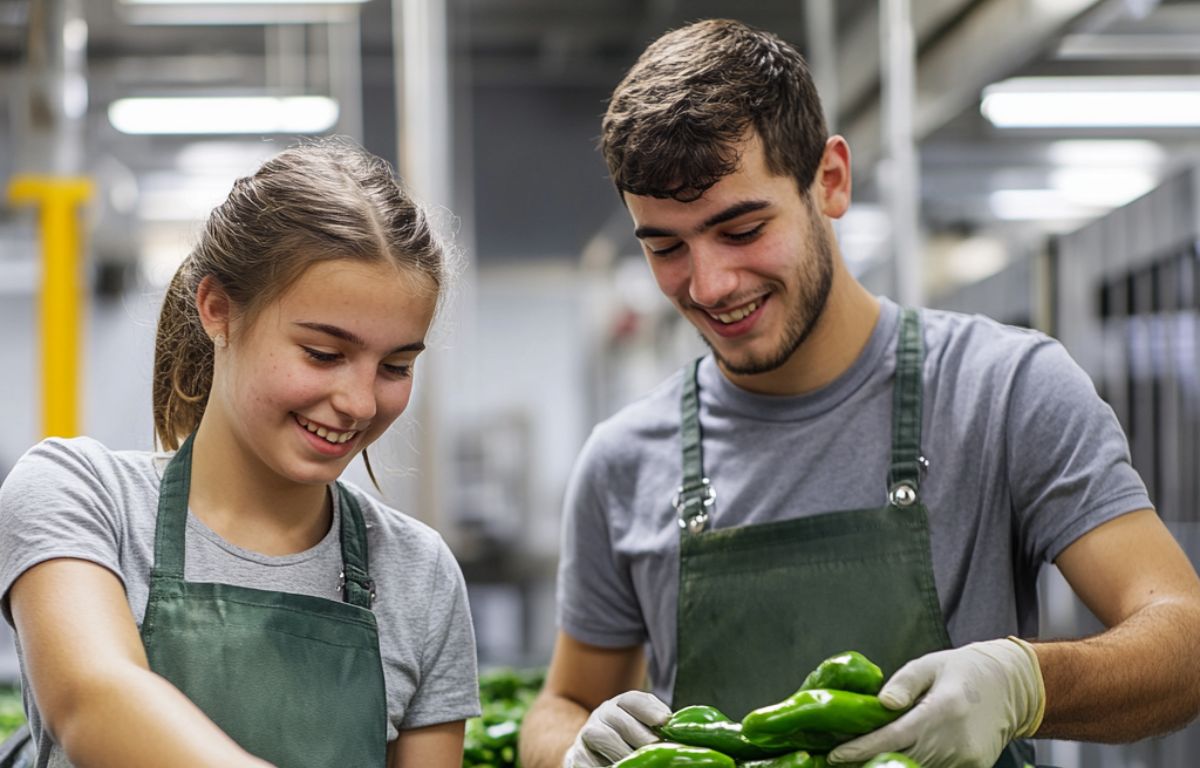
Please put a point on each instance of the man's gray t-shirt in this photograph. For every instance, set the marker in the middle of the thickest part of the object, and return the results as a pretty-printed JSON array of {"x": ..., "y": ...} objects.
[
  {"x": 1024, "y": 458},
  {"x": 77, "y": 499}
]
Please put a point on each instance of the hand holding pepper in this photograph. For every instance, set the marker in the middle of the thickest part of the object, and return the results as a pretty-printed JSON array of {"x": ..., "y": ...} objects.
[
  {"x": 970, "y": 702},
  {"x": 616, "y": 728}
]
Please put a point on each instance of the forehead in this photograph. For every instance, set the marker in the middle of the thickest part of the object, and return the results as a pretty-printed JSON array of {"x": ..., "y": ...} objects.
[
  {"x": 752, "y": 180},
  {"x": 351, "y": 291}
]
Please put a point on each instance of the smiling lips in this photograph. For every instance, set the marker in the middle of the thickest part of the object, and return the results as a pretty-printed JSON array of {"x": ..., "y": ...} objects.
[
  {"x": 328, "y": 435},
  {"x": 736, "y": 314}
]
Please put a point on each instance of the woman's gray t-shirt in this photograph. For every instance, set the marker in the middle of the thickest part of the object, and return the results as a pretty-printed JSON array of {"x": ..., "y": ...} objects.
[{"x": 77, "y": 499}]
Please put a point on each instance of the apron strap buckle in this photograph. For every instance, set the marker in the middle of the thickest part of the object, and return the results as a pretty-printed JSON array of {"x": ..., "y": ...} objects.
[
  {"x": 903, "y": 494},
  {"x": 366, "y": 583},
  {"x": 694, "y": 504}
]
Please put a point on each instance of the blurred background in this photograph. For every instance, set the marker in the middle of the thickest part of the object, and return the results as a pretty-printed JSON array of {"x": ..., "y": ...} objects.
[{"x": 1033, "y": 160}]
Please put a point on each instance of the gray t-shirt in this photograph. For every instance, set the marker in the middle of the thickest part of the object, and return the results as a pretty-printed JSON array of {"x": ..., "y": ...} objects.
[
  {"x": 75, "y": 498},
  {"x": 1024, "y": 458}
]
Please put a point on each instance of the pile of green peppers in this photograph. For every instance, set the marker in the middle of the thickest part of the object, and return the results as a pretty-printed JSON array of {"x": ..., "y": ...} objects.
[
  {"x": 504, "y": 696},
  {"x": 12, "y": 712},
  {"x": 836, "y": 702}
]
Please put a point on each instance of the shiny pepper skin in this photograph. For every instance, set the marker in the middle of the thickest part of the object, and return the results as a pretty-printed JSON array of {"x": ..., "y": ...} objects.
[
  {"x": 703, "y": 726},
  {"x": 667, "y": 755},
  {"x": 891, "y": 760},
  {"x": 849, "y": 671},
  {"x": 792, "y": 760},
  {"x": 821, "y": 710}
]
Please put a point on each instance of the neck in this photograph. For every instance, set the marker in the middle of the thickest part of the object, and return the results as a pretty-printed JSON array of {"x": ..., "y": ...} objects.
[
  {"x": 837, "y": 339},
  {"x": 246, "y": 502}
]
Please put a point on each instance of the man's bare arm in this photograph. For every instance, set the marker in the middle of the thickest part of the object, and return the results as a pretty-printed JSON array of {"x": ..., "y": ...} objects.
[
  {"x": 1141, "y": 677},
  {"x": 579, "y": 679}
]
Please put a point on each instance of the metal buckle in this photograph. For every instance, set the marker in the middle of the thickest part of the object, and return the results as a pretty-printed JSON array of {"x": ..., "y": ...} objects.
[
  {"x": 367, "y": 584},
  {"x": 709, "y": 496},
  {"x": 902, "y": 494},
  {"x": 695, "y": 523}
]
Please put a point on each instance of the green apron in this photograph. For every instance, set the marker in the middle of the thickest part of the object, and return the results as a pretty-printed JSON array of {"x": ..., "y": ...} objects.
[
  {"x": 761, "y": 605},
  {"x": 295, "y": 679}
]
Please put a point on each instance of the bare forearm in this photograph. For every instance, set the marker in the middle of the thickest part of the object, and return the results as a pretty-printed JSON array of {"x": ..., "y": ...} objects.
[
  {"x": 1139, "y": 679},
  {"x": 139, "y": 719},
  {"x": 549, "y": 729}
]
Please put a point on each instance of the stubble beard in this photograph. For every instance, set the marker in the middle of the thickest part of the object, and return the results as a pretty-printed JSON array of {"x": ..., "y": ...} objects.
[{"x": 814, "y": 280}]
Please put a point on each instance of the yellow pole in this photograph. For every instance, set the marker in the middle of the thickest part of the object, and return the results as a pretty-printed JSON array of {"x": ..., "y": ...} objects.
[{"x": 61, "y": 295}]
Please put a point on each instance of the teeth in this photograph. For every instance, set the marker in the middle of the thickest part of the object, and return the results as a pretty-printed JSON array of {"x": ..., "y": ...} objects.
[
  {"x": 329, "y": 435},
  {"x": 738, "y": 314}
]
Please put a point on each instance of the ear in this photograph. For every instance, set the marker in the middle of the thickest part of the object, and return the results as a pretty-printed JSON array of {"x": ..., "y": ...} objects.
[
  {"x": 832, "y": 184},
  {"x": 214, "y": 307}
]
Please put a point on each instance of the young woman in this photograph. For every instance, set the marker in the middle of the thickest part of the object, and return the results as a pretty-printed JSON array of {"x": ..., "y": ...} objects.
[{"x": 229, "y": 603}]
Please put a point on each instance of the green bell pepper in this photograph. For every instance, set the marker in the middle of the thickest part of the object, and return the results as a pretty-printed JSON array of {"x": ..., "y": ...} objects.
[
  {"x": 849, "y": 671},
  {"x": 819, "y": 709},
  {"x": 891, "y": 760},
  {"x": 667, "y": 755},
  {"x": 799, "y": 759},
  {"x": 811, "y": 741},
  {"x": 703, "y": 726}
]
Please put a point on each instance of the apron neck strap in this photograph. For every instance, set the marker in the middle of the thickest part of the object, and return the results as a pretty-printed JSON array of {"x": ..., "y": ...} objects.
[
  {"x": 694, "y": 499},
  {"x": 908, "y": 465},
  {"x": 172, "y": 512},
  {"x": 358, "y": 587}
]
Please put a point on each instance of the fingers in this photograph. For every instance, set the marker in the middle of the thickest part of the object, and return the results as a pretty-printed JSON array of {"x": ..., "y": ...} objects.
[
  {"x": 603, "y": 742},
  {"x": 896, "y": 737},
  {"x": 646, "y": 707},
  {"x": 613, "y": 731},
  {"x": 628, "y": 728},
  {"x": 907, "y": 685},
  {"x": 579, "y": 756}
]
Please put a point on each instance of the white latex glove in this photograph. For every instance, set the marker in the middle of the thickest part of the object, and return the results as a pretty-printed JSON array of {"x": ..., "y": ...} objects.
[
  {"x": 971, "y": 702},
  {"x": 616, "y": 728}
]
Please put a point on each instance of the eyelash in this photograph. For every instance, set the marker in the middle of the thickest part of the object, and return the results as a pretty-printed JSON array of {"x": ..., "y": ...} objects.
[
  {"x": 737, "y": 237},
  {"x": 748, "y": 235},
  {"x": 397, "y": 371}
]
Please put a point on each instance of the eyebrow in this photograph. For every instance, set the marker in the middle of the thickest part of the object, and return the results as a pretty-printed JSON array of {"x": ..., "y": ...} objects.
[
  {"x": 730, "y": 213},
  {"x": 344, "y": 335}
]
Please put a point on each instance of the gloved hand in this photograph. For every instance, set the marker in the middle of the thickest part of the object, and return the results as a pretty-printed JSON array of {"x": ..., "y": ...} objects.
[
  {"x": 971, "y": 702},
  {"x": 616, "y": 728}
]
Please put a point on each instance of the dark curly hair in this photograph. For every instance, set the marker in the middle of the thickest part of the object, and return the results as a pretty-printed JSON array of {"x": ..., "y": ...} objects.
[{"x": 674, "y": 123}]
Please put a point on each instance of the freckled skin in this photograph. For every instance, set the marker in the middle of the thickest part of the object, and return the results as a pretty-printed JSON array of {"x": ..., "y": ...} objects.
[{"x": 267, "y": 377}]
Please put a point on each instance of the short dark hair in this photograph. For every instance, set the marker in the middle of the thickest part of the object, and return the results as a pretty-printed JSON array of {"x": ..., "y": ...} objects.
[{"x": 674, "y": 122}]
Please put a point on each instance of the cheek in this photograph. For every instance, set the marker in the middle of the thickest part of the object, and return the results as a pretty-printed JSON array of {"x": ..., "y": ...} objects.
[
  {"x": 394, "y": 397},
  {"x": 671, "y": 276}
]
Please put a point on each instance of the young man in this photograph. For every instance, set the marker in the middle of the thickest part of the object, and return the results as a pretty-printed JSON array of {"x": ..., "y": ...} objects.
[{"x": 840, "y": 472}]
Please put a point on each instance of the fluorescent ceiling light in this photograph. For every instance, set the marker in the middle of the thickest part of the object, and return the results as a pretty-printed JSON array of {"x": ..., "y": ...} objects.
[
  {"x": 1107, "y": 153},
  {"x": 242, "y": 2},
  {"x": 1037, "y": 205},
  {"x": 1074, "y": 193},
  {"x": 171, "y": 196},
  {"x": 224, "y": 115},
  {"x": 1102, "y": 187},
  {"x": 1093, "y": 102}
]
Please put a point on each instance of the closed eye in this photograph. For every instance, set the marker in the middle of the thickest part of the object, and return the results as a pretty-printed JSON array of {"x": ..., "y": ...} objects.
[
  {"x": 663, "y": 251},
  {"x": 749, "y": 234},
  {"x": 321, "y": 357},
  {"x": 397, "y": 371}
]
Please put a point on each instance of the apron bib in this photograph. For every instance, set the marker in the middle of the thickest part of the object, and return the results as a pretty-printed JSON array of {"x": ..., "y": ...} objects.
[
  {"x": 295, "y": 679},
  {"x": 761, "y": 605}
]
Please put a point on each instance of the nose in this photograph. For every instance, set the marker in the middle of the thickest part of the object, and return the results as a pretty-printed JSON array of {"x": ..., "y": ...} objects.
[
  {"x": 713, "y": 277},
  {"x": 354, "y": 396}
]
